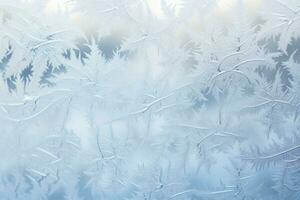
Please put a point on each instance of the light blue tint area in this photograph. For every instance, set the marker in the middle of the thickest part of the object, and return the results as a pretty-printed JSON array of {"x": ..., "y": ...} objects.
[{"x": 150, "y": 100}]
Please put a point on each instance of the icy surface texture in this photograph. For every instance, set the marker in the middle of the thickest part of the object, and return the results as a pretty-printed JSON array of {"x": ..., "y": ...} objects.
[{"x": 150, "y": 100}]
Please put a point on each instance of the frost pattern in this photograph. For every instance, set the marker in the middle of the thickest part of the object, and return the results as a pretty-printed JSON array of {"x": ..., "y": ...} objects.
[{"x": 150, "y": 100}]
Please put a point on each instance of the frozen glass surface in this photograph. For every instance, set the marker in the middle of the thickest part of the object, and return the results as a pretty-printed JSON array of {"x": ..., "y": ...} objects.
[{"x": 149, "y": 100}]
